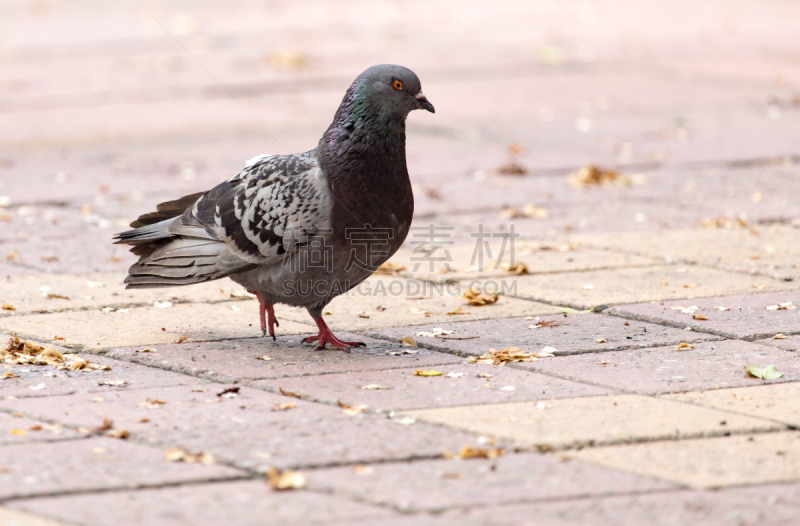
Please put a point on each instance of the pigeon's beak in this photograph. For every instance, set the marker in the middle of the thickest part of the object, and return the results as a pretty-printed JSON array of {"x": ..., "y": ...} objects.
[{"x": 423, "y": 104}]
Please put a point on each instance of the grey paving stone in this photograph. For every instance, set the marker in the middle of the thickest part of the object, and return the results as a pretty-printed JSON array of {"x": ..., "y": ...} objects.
[
  {"x": 746, "y": 316},
  {"x": 46, "y": 468},
  {"x": 244, "y": 503},
  {"x": 568, "y": 334},
  {"x": 247, "y": 429}
]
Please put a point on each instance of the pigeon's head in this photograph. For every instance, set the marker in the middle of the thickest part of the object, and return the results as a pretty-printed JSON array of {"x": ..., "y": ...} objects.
[{"x": 390, "y": 89}]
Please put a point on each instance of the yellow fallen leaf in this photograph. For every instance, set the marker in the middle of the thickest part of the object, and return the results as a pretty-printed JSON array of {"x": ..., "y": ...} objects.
[
  {"x": 8, "y": 306},
  {"x": 477, "y": 298},
  {"x": 428, "y": 372},
  {"x": 352, "y": 410},
  {"x": 9, "y": 374},
  {"x": 476, "y": 452},
  {"x": 20, "y": 432},
  {"x": 699, "y": 317},
  {"x": 284, "y": 407},
  {"x": 683, "y": 346},
  {"x": 503, "y": 356},
  {"x": 779, "y": 336},
  {"x": 769, "y": 372},
  {"x": 285, "y": 480},
  {"x": 408, "y": 341}
]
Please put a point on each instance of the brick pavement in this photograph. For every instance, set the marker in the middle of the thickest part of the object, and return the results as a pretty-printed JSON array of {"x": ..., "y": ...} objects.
[{"x": 652, "y": 295}]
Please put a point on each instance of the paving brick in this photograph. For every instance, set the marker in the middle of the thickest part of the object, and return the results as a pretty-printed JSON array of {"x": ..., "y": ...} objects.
[
  {"x": 96, "y": 254},
  {"x": 385, "y": 300},
  {"x": 240, "y": 503},
  {"x": 569, "y": 334},
  {"x": 431, "y": 485},
  {"x": 85, "y": 292},
  {"x": 237, "y": 360},
  {"x": 246, "y": 430},
  {"x": 777, "y": 402},
  {"x": 94, "y": 464},
  {"x": 704, "y": 508},
  {"x": 790, "y": 343},
  {"x": 710, "y": 365},
  {"x": 593, "y": 420},
  {"x": 540, "y": 258},
  {"x": 747, "y": 316},
  {"x": 18, "y": 430},
  {"x": 47, "y": 380},
  {"x": 768, "y": 495},
  {"x": 98, "y": 330},
  {"x": 767, "y": 250},
  {"x": 20, "y": 518},
  {"x": 10, "y": 271},
  {"x": 585, "y": 290},
  {"x": 710, "y": 462},
  {"x": 403, "y": 390}
]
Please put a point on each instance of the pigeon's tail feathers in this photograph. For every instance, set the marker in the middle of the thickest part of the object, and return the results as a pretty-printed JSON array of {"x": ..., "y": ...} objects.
[
  {"x": 183, "y": 260},
  {"x": 167, "y": 210}
]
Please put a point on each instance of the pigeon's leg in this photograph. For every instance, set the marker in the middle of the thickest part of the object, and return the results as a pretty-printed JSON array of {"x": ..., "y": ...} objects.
[
  {"x": 325, "y": 336},
  {"x": 264, "y": 310}
]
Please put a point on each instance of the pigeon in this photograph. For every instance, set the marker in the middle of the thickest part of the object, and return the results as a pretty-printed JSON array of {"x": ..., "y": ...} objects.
[{"x": 297, "y": 229}]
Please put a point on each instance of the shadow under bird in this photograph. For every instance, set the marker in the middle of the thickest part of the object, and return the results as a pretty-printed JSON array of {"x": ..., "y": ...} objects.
[{"x": 297, "y": 229}]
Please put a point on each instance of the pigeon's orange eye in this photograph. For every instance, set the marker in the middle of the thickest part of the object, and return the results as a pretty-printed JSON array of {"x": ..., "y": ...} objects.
[{"x": 397, "y": 84}]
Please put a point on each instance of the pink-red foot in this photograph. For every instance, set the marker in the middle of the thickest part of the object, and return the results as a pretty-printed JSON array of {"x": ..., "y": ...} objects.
[
  {"x": 325, "y": 336},
  {"x": 266, "y": 313}
]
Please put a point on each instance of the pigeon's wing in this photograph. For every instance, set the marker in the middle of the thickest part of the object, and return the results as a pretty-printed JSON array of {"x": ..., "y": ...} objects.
[
  {"x": 272, "y": 207},
  {"x": 269, "y": 209}
]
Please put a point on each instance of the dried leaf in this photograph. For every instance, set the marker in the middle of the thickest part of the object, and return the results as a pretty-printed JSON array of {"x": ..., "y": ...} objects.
[
  {"x": 177, "y": 454},
  {"x": 725, "y": 222},
  {"x": 457, "y": 312},
  {"x": 603, "y": 362},
  {"x": 9, "y": 374},
  {"x": 285, "y": 392},
  {"x": 374, "y": 387},
  {"x": 361, "y": 469},
  {"x": 600, "y": 340},
  {"x": 476, "y": 452},
  {"x": 408, "y": 341},
  {"x": 8, "y": 306},
  {"x": 477, "y": 298},
  {"x": 390, "y": 267},
  {"x": 363, "y": 314},
  {"x": 769, "y": 372},
  {"x": 230, "y": 392},
  {"x": 683, "y": 346},
  {"x": 20, "y": 432},
  {"x": 284, "y": 407},
  {"x": 285, "y": 480},
  {"x": 118, "y": 433},
  {"x": 455, "y": 375},
  {"x": 352, "y": 410},
  {"x": 52, "y": 296},
  {"x": 699, "y": 317},
  {"x": 786, "y": 305},
  {"x": 503, "y": 356},
  {"x": 427, "y": 372},
  {"x": 433, "y": 333},
  {"x": 779, "y": 336},
  {"x": 511, "y": 168},
  {"x": 151, "y": 404},
  {"x": 518, "y": 268},
  {"x": 591, "y": 175}
]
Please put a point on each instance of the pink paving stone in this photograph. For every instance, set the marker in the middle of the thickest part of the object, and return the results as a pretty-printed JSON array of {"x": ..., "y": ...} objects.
[
  {"x": 432, "y": 485},
  {"x": 709, "y": 365},
  {"x": 47, "y": 380},
  {"x": 94, "y": 464},
  {"x": 35, "y": 431},
  {"x": 401, "y": 389},
  {"x": 10, "y": 271},
  {"x": 790, "y": 343},
  {"x": 569, "y": 334},
  {"x": 246, "y": 429},
  {"x": 79, "y": 254},
  {"x": 236, "y": 360},
  {"x": 747, "y": 318},
  {"x": 695, "y": 508},
  {"x": 236, "y": 503}
]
